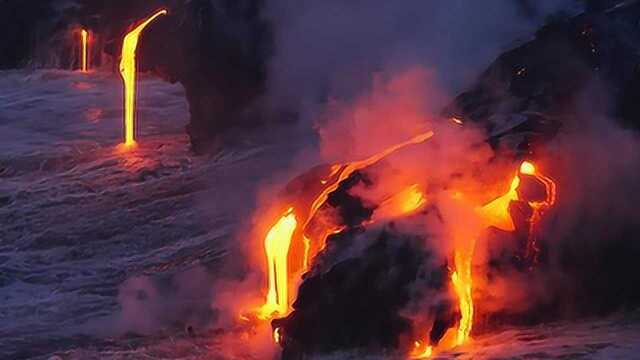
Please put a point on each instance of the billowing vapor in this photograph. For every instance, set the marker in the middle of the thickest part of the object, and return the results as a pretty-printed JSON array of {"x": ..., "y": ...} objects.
[{"x": 327, "y": 49}]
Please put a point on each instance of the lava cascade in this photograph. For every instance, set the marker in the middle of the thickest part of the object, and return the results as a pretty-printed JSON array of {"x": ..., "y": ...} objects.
[{"x": 128, "y": 72}]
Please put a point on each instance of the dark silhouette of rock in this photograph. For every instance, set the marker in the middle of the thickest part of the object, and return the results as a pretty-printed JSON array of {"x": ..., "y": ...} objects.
[
  {"x": 357, "y": 302},
  {"x": 527, "y": 93}
]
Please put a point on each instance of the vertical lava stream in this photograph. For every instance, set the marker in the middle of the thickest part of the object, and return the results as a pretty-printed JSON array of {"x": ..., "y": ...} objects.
[
  {"x": 84, "y": 42},
  {"x": 128, "y": 73}
]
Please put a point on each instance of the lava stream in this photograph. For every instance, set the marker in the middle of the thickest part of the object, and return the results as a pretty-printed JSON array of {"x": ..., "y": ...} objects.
[
  {"x": 128, "y": 73},
  {"x": 539, "y": 207},
  {"x": 84, "y": 38},
  {"x": 495, "y": 214},
  {"x": 344, "y": 171},
  {"x": 280, "y": 236},
  {"x": 277, "y": 245}
]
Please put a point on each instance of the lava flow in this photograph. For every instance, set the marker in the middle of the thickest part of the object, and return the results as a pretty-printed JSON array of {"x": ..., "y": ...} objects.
[
  {"x": 281, "y": 235},
  {"x": 276, "y": 246},
  {"x": 344, "y": 171},
  {"x": 495, "y": 214},
  {"x": 294, "y": 227},
  {"x": 539, "y": 207},
  {"x": 128, "y": 73},
  {"x": 84, "y": 42}
]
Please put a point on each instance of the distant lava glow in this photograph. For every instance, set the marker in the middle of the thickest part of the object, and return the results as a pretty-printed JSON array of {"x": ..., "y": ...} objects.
[
  {"x": 128, "y": 73},
  {"x": 84, "y": 48}
]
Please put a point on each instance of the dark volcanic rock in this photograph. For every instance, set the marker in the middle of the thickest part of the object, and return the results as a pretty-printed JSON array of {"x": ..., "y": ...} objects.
[
  {"x": 218, "y": 51},
  {"x": 528, "y": 92},
  {"x": 357, "y": 302},
  {"x": 21, "y": 24}
]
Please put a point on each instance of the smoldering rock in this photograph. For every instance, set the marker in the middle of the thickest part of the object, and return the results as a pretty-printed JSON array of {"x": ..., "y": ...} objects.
[{"x": 357, "y": 302}]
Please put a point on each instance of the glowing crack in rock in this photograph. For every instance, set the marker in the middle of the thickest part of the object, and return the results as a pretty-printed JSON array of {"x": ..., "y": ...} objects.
[{"x": 128, "y": 73}]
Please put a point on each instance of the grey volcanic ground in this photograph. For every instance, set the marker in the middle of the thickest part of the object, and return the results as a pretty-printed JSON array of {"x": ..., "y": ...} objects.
[{"x": 79, "y": 218}]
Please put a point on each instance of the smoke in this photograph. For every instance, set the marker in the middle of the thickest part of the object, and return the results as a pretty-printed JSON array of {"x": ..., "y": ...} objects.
[
  {"x": 588, "y": 266},
  {"x": 332, "y": 48},
  {"x": 591, "y": 243},
  {"x": 149, "y": 305}
]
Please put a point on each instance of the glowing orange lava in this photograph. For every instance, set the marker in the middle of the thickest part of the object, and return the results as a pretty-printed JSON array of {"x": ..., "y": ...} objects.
[
  {"x": 280, "y": 236},
  {"x": 128, "y": 73},
  {"x": 420, "y": 353},
  {"x": 494, "y": 214},
  {"x": 277, "y": 245},
  {"x": 345, "y": 170},
  {"x": 539, "y": 207},
  {"x": 84, "y": 41},
  {"x": 405, "y": 202}
]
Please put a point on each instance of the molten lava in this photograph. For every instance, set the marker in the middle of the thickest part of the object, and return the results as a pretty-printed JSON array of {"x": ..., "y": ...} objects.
[
  {"x": 345, "y": 170},
  {"x": 84, "y": 48},
  {"x": 539, "y": 207},
  {"x": 421, "y": 352},
  {"x": 128, "y": 73},
  {"x": 495, "y": 214},
  {"x": 276, "y": 246},
  {"x": 280, "y": 236},
  {"x": 405, "y": 202}
]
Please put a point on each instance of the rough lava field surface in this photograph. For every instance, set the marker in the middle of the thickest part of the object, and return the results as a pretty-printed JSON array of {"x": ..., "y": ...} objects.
[{"x": 79, "y": 218}]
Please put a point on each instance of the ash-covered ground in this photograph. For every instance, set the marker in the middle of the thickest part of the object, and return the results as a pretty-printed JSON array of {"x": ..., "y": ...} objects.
[{"x": 83, "y": 221}]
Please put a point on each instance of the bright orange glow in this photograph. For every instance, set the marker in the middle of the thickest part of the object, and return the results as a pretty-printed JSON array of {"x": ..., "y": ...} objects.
[
  {"x": 405, "y": 202},
  {"x": 527, "y": 168},
  {"x": 344, "y": 171},
  {"x": 463, "y": 282},
  {"x": 84, "y": 38},
  {"x": 421, "y": 353},
  {"x": 128, "y": 73},
  {"x": 496, "y": 213},
  {"x": 277, "y": 337},
  {"x": 277, "y": 245},
  {"x": 539, "y": 207},
  {"x": 280, "y": 236}
]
